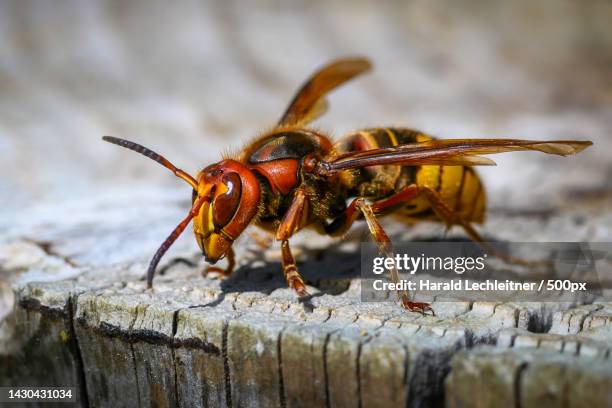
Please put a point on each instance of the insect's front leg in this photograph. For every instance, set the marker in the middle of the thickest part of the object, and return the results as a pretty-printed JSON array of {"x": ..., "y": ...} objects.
[
  {"x": 293, "y": 219},
  {"x": 227, "y": 271},
  {"x": 293, "y": 277}
]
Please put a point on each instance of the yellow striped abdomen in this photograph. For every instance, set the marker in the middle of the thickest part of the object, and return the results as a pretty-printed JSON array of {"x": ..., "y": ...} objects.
[
  {"x": 459, "y": 186},
  {"x": 460, "y": 189}
]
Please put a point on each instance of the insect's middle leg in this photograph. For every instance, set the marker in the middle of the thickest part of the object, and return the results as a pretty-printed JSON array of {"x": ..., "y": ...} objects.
[
  {"x": 384, "y": 246},
  {"x": 343, "y": 222},
  {"x": 262, "y": 239}
]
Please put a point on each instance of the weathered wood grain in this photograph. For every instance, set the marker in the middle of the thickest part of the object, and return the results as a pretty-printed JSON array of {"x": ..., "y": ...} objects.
[
  {"x": 492, "y": 377},
  {"x": 188, "y": 344}
]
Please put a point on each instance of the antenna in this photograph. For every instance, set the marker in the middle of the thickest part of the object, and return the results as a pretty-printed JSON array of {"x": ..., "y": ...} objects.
[{"x": 153, "y": 156}]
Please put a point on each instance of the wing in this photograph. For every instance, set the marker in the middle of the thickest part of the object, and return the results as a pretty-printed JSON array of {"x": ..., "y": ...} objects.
[
  {"x": 452, "y": 152},
  {"x": 309, "y": 103}
]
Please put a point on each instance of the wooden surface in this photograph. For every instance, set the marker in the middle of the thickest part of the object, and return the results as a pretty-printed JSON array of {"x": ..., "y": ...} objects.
[{"x": 80, "y": 219}]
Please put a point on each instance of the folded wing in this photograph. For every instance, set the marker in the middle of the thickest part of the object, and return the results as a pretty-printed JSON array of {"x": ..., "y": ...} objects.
[{"x": 451, "y": 152}]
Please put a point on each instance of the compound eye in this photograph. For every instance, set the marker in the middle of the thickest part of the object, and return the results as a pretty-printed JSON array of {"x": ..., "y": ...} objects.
[{"x": 226, "y": 204}]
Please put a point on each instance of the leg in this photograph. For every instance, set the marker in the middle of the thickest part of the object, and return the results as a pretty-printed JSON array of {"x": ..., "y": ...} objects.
[
  {"x": 294, "y": 218},
  {"x": 450, "y": 217},
  {"x": 343, "y": 222},
  {"x": 262, "y": 240},
  {"x": 358, "y": 206},
  {"x": 385, "y": 247},
  {"x": 231, "y": 262},
  {"x": 293, "y": 277}
]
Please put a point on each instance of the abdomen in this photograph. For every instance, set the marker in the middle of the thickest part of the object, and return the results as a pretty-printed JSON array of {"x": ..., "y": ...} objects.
[{"x": 459, "y": 186}]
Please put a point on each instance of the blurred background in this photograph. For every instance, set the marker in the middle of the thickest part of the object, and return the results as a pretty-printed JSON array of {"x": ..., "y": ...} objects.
[{"x": 191, "y": 79}]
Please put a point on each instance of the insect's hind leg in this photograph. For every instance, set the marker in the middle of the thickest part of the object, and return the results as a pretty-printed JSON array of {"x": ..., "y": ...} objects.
[{"x": 451, "y": 217}]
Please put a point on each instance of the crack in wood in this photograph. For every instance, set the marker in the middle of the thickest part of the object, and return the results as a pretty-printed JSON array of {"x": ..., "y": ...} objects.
[
  {"x": 587, "y": 315},
  {"x": 34, "y": 305},
  {"x": 173, "y": 262},
  {"x": 175, "y": 316},
  {"x": 47, "y": 248},
  {"x": 358, "y": 374},
  {"x": 517, "y": 384},
  {"x": 82, "y": 380},
  {"x": 226, "y": 366},
  {"x": 150, "y": 337},
  {"x": 281, "y": 384},
  {"x": 133, "y": 354},
  {"x": 326, "y": 370}
]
